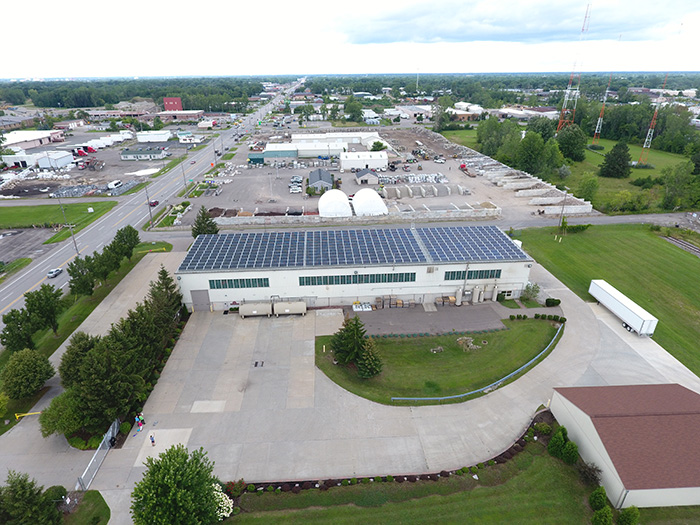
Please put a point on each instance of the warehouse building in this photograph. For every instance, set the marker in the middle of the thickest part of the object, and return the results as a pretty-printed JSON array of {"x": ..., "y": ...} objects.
[
  {"x": 644, "y": 438},
  {"x": 339, "y": 267},
  {"x": 143, "y": 154},
  {"x": 371, "y": 160}
]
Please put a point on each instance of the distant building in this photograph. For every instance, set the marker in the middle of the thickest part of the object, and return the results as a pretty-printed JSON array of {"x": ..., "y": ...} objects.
[
  {"x": 69, "y": 124},
  {"x": 320, "y": 179},
  {"x": 162, "y": 135},
  {"x": 188, "y": 115},
  {"x": 366, "y": 176},
  {"x": 32, "y": 139},
  {"x": 143, "y": 154},
  {"x": 364, "y": 160},
  {"x": 172, "y": 103},
  {"x": 11, "y": 122}
]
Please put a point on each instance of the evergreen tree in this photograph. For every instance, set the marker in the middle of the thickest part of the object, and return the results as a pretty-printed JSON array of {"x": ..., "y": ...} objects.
[
  {"x": 349, "y": 342},
  {"x": 569, "y": 453},
  {"x": 22, "y": 502},
  {"x": 616, "y": 163},
  {"x": 204, "y": 224},
  {"x": 125, "y": 240},
  {"x": 72, "y": 359},
  {"x": 369, "y": 363}
]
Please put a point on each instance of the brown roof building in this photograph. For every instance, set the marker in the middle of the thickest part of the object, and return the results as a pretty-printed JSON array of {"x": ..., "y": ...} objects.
[{"x": 644, "y": 438}]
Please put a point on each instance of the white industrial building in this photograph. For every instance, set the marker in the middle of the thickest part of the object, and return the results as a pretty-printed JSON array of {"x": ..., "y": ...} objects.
[
  {"x": 334, "y": 203},
  {"x": 339, "y": 267},
  {"x": 54, "y": 160},
  {"x": 360, "y": 160},
  {"x": 28, "y": 139},
  {"x": 368, "y": 203},
  {"x": 644, "y": 438},
  {"x": 162, "y": 135}
]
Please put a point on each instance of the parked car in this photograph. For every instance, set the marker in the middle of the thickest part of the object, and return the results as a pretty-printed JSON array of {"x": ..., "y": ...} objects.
[
  {"x": 54, "y": 273},
  {"x": 295, "y": 189}
]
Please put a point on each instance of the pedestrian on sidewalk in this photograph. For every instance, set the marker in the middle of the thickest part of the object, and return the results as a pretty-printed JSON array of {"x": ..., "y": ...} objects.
[
  {"x": 140, "y": 426},
  {"x": 153, "y": 440},
  {"x": 141, "y": 418}
]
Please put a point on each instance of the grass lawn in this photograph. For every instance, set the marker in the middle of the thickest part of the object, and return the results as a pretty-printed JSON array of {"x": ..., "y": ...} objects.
[
  {"x": 651, "y": 271},
  {"x": 610, "y": 187},
  {"x": 531, "y": 488},
  {"x": 14, "y": 267},
  {"x": 136, "y": 189},
  {"x": 27, "y": 216},
  {"x": 411, "y": 370},
  {"x": 465, "y": 137},
  {"x": 74, "y": 313},
  {"x": 92, "y": 510},
  {"x": 169, "y": 166}
]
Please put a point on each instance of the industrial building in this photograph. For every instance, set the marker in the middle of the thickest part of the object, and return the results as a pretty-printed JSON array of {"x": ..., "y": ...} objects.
[
  {"x": 334, "y": 203},
  {"x": 372, "y": 160},
  {"x": 32, "y": 139},
  {"x": 320, "y": 180},
  {"x": 644, "y": 439},
  {"x": 339, "y": 267},
  {"x": 143, "y": 154},
  {"x": 162, "y": 135},
  {"x": 366, "y": 177},
  {"x": 368, "y": 203}
]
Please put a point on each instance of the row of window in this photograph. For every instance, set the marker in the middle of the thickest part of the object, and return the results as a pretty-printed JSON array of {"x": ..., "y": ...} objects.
[
  {"x": 325, "y": 280},
  {"x": 217, "y": 284},
  {"x": 472, "y": 274}
]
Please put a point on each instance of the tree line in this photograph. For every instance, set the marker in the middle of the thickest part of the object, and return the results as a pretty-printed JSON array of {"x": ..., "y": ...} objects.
[
  {"x": 111, "y": 376},
  {"x": 196, "y": 93}
]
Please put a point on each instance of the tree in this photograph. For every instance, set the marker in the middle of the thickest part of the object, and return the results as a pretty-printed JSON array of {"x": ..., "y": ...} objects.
[
  {"x": 25, "y": 373},
  {"x": 369, "y": 363},
  {"x": 19, "y": 328},
  {"x": 164, "y": 300},
  {"x": 544, "y": 126},
  {"x": 616, "y": 163},
  {"x": 572, "y": 143},
  {"x": 378, "y": 145},
  {"x": 681, "y": 187},
  {"x": 569, "y": 453},
  {"x": 62, "y": 416},
  {"x": 530, "y": 292},
  {"x": 82, "y": 279},
  {"x": 125, "y": 240},
  {"x": 72, "y": 359},
  {"x": 176, "y": 488},
  {"x": 588, "y": 187},
  {"x": 44, "y": 304},
  {"x": 528, "y": 155},
  {"x": 23, "y": 502},
  {"x": 556, "y": 444},
  {"x": 441, "y": 117},
  {"x": 204, "y": 224},
  {"x": 348, "y": 343},
  {"x": 628, "y": 516},
  {"x": 598, "y": 498},
  {"x": 353, "y": 109},
  {"x": 333, "y": 114}
]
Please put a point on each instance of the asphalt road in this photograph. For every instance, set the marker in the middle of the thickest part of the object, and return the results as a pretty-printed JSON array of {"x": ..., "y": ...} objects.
[{"x": 131, "y": 210}]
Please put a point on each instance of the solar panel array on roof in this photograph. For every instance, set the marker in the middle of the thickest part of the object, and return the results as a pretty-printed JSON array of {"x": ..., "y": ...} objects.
[{"x": 372, "y": 247}]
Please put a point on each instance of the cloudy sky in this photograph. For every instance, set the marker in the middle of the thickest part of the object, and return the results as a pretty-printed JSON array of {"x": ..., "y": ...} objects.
[{"x": 76, "y": 38}]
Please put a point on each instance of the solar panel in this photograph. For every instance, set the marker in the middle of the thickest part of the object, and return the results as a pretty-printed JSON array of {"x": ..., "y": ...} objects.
[{"x": 370, "y": 247}]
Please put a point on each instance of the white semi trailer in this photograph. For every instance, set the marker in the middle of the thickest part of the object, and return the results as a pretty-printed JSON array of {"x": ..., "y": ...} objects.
[{"x": 634, "y": 317}]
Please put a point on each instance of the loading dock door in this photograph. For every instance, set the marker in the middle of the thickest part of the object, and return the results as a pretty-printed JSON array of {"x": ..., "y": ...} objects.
[{"x": 200, "y": 300}]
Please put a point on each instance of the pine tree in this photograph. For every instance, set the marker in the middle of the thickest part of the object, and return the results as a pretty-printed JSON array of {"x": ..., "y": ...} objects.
[
  {"x": 349, "y": 342},
  {"x": 204, "y": 224},
  {"x": 369, "y": 363},
  {"x": 616, "y": 163}
]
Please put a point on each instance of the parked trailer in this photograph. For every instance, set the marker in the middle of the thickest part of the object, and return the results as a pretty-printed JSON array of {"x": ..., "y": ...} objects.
[
  {"x": 253, "y": 309},
  {"x": 289, "y": 308},
  {"x": 634, "y": 317}
]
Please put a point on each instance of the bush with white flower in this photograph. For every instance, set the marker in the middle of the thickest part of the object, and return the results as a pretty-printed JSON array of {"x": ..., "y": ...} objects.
[{"x": 224, "y": 504}]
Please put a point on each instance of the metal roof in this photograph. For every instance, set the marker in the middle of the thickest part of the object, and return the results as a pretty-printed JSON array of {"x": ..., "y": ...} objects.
[{"x": 369, "y": 247}]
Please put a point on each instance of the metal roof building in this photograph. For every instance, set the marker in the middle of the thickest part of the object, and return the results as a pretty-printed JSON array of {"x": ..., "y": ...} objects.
[{"x": 335, "y": 267}]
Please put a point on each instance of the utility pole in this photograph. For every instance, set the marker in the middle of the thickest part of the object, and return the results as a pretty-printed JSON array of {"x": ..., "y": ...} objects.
[
  {"x": 148, "y": 203},
  {"x": 70, "y": 227}
]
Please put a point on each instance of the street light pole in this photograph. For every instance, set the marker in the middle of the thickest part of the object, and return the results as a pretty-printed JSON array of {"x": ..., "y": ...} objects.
[
  {"x": 184, "y": 182},
  {"x": 148, "y": 203},
  {"x": 70, "y": 227}
]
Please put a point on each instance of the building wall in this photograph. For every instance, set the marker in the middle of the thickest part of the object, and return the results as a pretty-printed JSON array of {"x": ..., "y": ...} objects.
[
  {"x": 360, "y": 161},
  {"x": 663, "y": 497},
  {"x": 581, "y": 430},
  {"x": 172, "y": 103},
  {"x": 284, "y": 283}
]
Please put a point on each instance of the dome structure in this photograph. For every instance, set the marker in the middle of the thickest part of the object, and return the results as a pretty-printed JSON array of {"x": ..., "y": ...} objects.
[
  {"x": 334, "y": 203},
  {"x": 367, "y": 202}
]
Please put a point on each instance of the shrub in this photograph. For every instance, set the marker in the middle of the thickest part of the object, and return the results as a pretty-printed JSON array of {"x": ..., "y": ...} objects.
[
  {"x": 250, "y": 488},
  {"x": 125, "y": 428},
  {"x": 589, "y": 473},
  {"x": 491, "y": 462},
  {"x": 551, "y": 301},
  {"x": 524, "y": 316},
  {"x": 555, "y": 318},
  {"x": 306, "y": 485},
  {"x": 603, "y": 516},
  {"x": 537, "y": 316},
  {"x": 353, "y": 481},
  {"x": 562, "y": 319},
  {"x": 569, "y": 453},
  {"x": 4, "y": 401},
  {"x": 364, "y": 480},
  {"x": 345, "y": 483},
  {"x": 543, "y": 428},
  {"x": 512, "y": 317},
  {"x": 480, "y": 465},
  {"x": 628, "y": 516},
  {"x": 520, "y": 316},
  {"x": 234, "y": 489},
  {"x": 278, "y": 490},
  {"x": 296, "y": 489},
  {"x": 550, "y": 317},
  {"x": 77, "y": 442},
  {"x": 270, "y": 488},
  {"x": 474, "y": 470},
  {"x": 236, "y": 510},
  {"x": 598, "y": 498},
  {"x": 56, "y": 493},
  {"x": 94, "y": 442},
  {"x": 556, "y": 444}
]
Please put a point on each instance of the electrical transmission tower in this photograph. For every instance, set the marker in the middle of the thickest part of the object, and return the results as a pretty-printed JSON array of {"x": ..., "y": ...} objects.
[
  {"x": 599, "y": 124},
  {"x": 568, "y": 108},
  {"x": 644, "y": 157}
]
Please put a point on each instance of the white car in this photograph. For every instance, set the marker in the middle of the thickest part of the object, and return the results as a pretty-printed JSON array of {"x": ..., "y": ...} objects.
[
  {"x": 295, "y": 189},
  {"x": 440, "y": 161},
  {"x": 54, "y": 273}
]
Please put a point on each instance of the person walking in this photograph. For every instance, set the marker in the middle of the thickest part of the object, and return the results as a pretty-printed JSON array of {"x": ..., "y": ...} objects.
[{"x": 153, "y": 440}]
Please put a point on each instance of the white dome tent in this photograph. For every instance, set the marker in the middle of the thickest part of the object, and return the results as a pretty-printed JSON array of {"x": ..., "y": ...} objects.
[
  {"x": 334, "y": 203},
  {"x": 367, "y": 202}
]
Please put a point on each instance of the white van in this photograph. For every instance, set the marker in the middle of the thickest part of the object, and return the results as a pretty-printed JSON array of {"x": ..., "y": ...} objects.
[{"x": 114, "y": 184}]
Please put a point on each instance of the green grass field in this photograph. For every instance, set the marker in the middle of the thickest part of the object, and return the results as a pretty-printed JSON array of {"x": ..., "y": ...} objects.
[
  {"x": 13, "y": 267},
  {"x": 466, "y": 137},
  {"x": 531, "y": 488},
  {"x": 73, "y": 314},
  {"x": 77, "y": 214},
  {"x": 411, "y": 370},
  {"x": 654, "y": 273},
  {"x": 92, "y": 510}
]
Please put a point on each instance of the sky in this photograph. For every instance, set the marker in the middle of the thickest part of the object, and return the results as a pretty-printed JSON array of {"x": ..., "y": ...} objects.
[{"x": 76, "y": 38}]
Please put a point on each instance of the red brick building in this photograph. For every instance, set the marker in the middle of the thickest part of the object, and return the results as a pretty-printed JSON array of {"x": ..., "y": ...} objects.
[{"x": 172, "y": 103}]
